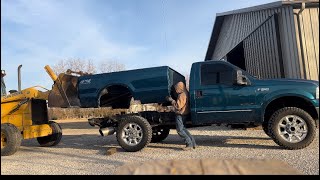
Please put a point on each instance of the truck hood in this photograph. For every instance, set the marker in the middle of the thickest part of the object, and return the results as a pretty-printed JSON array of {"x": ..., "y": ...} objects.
[{"x": 298, "y": 82}]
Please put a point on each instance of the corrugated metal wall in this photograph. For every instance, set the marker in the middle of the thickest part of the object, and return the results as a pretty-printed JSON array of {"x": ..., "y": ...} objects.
[
  {"x": 262, "y": 54},
  {"x": 237, "y": 27},
  {"x": 289, "y": 43},
  {"x": 262, "y": 46},
  {"x": 308, "y": 50}
]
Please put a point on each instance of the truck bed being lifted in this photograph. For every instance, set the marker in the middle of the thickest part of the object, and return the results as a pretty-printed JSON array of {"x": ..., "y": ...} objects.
[
  {"x": 149, "y": 85},
  {"x": 116, "y": 90}
]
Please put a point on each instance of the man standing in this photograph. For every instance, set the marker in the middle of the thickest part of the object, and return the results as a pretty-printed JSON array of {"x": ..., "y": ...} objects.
[{"x": 182, "y": 110}]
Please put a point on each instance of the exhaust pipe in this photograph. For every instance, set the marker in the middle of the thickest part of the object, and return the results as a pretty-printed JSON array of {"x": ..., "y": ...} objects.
[
  {"x": 19, "y": 77},
  {"x": 107, "y": 131}
]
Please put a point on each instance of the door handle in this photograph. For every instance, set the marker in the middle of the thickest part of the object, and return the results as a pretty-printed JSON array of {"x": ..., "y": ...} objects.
[{"x": 199, "y": 94}]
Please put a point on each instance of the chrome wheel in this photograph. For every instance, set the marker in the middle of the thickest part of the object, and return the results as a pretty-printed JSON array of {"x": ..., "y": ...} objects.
[
  {"x": 132, "y": 134},
  {"x": 293, "y": 128}
]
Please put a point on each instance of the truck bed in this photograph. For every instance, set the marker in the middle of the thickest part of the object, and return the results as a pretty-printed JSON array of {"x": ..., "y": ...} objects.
[{"x": 149, "y": 85}]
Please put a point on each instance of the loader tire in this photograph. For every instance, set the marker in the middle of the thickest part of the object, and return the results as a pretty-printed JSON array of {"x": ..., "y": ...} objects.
[
  {"x": 10, "y": 139},
  {"x": 134, "y": 133},
  {"x": 52, "y": 139}
]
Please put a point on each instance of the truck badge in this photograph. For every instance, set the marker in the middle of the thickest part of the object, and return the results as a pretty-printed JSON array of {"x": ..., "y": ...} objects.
[
  {"x": 86, "y": 81},
  {"x": 263, "y": 89}
]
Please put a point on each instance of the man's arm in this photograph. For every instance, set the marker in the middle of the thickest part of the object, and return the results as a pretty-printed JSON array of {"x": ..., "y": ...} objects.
[{"x": 180, "y": 103}]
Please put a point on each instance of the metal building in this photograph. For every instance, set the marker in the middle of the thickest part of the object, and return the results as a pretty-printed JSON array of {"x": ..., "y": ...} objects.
[{"x": 275, "y": 40}]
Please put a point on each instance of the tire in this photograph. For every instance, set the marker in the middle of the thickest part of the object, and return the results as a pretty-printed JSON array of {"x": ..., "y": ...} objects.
[
  {"x": 10, "y": 139},
  {"x": 52, "y": 139},
  {"x": 159, "y": 134},
  {"x": 134, "y": 133},
  {"x": 292, "y": 128},
  {"x": 266, "y": 129}
]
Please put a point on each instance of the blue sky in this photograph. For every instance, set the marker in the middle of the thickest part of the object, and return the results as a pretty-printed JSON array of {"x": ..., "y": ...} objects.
[{"x": 137, "y": 33}]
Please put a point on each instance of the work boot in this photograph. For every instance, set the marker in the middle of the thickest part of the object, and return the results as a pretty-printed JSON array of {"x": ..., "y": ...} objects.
[{"x": 188, "y": 148}]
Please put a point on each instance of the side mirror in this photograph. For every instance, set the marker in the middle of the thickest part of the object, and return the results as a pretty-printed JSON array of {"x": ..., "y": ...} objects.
[{"x": 242, "y": 80}]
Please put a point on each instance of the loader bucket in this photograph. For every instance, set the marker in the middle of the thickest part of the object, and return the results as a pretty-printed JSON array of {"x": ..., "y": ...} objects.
[{"x": 64, "y": 92}]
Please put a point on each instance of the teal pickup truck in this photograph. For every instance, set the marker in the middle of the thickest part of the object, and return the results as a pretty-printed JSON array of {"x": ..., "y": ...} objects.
[{"x": 220, "y": 93}]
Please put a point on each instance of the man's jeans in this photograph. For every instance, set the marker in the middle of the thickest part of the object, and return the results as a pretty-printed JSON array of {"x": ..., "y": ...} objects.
[{"x": 183, "y": 132}]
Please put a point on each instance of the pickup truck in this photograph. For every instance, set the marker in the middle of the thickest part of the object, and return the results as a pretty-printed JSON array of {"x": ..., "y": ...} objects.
[{"x": 220, "y": 93}]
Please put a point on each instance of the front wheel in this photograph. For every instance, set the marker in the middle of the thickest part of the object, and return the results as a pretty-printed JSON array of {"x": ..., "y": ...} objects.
[
  {"x": 52, "y": 139},
  {"x": 10, "y": 139},
  {"x": 292, "y": 128},
  {"x": 134, "y": 133}
]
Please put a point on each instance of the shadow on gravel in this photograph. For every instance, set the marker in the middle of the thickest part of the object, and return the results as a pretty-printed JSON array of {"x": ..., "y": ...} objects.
[
  {"x": 152, "y": 145},
  {"x": 81, "y": 142},
  {"x": 83, "y": 157},
  {"x": 227, "y": 141}
]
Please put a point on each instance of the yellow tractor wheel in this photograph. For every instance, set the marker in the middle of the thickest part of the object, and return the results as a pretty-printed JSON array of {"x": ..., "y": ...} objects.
[
  {"x": 52, "y": 139},
  {"x": 10, "y": 139}
]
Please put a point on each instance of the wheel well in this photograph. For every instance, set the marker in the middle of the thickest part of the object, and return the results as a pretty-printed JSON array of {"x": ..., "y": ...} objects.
[
  {"x": 116, "y": 96},
  {"x": 290, "y": 101}
]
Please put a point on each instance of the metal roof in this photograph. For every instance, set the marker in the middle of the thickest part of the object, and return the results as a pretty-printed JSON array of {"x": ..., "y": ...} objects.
[
  {"x": 220, "y": 18},
  {"x": 296, "y": 4}
]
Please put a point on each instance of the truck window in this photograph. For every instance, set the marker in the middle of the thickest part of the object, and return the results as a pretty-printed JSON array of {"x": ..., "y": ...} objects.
[
  {"x": 209, "y": 75},
  {"x": 212, "y": 74}
]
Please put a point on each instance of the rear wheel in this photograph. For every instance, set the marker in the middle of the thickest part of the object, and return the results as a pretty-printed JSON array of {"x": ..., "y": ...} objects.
[
  {"x": 134, "y": 133},
  {"x": 10, "y": 139},
  {"x": 292, "y": 128},
  {"x": 52, "y": 139},
  {"x": 159, "y": 134}
]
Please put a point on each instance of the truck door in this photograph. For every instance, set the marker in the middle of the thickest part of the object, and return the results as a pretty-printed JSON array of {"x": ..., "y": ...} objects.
[
  {"x": 217, "y": 99},
  {"x": 240, "y": 100}
]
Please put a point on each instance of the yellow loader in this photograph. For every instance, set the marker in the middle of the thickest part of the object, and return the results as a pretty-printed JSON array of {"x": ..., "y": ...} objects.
[{"x": 24, "y": 115}]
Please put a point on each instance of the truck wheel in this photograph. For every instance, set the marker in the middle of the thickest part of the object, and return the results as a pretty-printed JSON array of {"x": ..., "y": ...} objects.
[
  {"x": 134, "y": 133},
  {"x": 159, "y": 134},
  {"x": 52, "y": 139},
  {"x": 265, "y": 128},
  {"x": 292, "y": 128},
  {"x": 10, "y": 139}
]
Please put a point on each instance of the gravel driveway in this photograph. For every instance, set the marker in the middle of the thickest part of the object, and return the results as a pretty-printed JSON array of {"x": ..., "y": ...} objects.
[{"x": 82, "y": 151}]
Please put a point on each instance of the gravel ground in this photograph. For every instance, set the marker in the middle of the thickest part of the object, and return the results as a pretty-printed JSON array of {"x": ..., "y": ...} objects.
[{"x": 83, "y": 151}]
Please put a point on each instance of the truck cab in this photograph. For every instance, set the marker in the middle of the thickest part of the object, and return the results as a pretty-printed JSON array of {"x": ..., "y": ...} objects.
[
  {"x": 221, "y": 93},
  {"x": 216, "y": 97}
]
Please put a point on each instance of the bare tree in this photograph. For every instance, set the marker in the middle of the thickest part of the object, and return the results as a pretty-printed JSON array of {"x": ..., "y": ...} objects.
[
  {"x": 74, "y": 64},
  {"x": 91, "y": 68},
  {"x": 111, "y": 66},
  {"x": 60, "y": 67}
]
